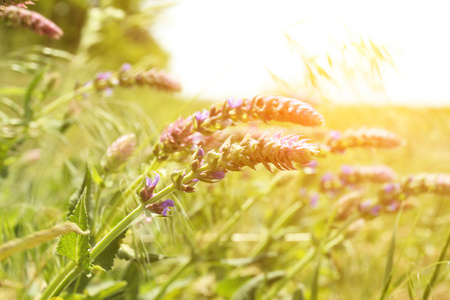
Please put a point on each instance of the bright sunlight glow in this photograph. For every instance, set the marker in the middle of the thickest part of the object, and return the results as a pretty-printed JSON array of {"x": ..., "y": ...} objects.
[{"x": 232, "y": 48}]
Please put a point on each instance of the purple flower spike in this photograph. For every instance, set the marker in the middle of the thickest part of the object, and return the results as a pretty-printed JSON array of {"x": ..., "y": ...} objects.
[
  {"x": 234, "y": 103},
  {"x": 161, "y": 208}
]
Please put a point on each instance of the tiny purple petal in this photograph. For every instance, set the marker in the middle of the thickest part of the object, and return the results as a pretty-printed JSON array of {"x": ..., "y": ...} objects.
[
  {"x": 234, "y": 103},
  {"x": 218, "y": 174},
  {"x": 375, "y": 210},
  {"x": 167, "y": 203},
  {"x": 393, "y": 206},
  {"x": 157, "y": 178},
  {"x": 364, "y": 206},
  {"x": 125, "y": 67},
  {"x": 148, "y": 181},
  {"x": 161, "y": 207},
  {"x": 201, "y": 116},
  {"x": 108, "y": 92},
  {"x": 347, "y": 170},
  {"x": 335, "y": 135},
  {"x": 314, "y": 200},
  {"x": 327, "y": 177},
  {"x": 104, "y": 76},
  {"x": 312, "y": 164},
  {"x": 165, "y": 211}
]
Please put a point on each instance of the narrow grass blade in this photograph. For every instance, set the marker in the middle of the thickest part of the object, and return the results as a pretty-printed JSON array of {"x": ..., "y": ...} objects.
[{"x": 435, "y": 275}]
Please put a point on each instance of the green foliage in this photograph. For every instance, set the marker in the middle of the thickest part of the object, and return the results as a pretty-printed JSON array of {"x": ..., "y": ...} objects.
[
  {"x": 75, "y": 246},
  {"x": 253, "y": 235},
  {"x": 106, "y": 259}
]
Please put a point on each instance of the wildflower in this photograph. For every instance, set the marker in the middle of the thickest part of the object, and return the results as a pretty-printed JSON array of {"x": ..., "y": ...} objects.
[
  {"x": 179, "y": 136},
  {"x": 126, "y": 77},
  {"x": 348, "y": 204},
  {"x": 363, "y": 137},
  {"x": 161, "y": 208},
  {"x": 21, "y": 3},
  {"x": 359, "y": 174},
  {"x": 424, "y": 183},
  {"x": 146, "y": 192},
  {"x": 119, "y": 152},
  {"x": 279, "y": 151},
  {"x": 18, "y": 16}
]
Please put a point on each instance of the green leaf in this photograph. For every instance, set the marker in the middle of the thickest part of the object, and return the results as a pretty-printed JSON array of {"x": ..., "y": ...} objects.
[
  {"x": 28, "y": 111},
  {"x": 106, "y": 259},
  {"x": 86, "y": 185},
  {"x": 74, "y": 246}
]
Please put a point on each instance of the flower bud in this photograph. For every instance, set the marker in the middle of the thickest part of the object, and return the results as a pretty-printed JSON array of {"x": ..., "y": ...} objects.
[{"x": 119, "y": 152}]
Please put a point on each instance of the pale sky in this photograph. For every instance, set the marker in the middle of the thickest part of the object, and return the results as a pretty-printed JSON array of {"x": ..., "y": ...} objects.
[{"x": 225, "y": 48}]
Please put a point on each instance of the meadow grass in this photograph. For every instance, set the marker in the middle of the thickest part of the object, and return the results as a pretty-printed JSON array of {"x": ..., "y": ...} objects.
[{"x": 107, "y": 150}]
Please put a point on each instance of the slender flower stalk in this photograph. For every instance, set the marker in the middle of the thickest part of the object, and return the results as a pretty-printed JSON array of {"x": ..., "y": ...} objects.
[
  {"x": 18, "y": 16},
  {"x": 190, "y": 133},
  {"x": 426, "y": 183},
  {"x": 359, "y": 174},
  {"x": 363, "y": 137},
  {"x": 126, "y": 77}
]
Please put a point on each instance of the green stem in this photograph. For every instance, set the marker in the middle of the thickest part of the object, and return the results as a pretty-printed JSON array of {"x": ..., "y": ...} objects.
[
  {"x": 56, "y": 282},
  {"x": 64, "y": 99},
  {"x": 172, "y": 278},
  {"x": 69, "y": 273},
  {"x": 427, "y": 292}
]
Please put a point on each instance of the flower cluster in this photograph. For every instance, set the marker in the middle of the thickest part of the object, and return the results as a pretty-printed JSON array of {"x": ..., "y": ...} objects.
[
  {"x": 146, "y": 193},
  {"x": 21, "y": 3},
  {"x": 426, "y": 183},
  {"x": 358, "y": 174},
  {"x": 363, "y": 137},
  {"x": 127, "y": 77},
  {"x": 413, "y": 185},
  {"x": 191, "y": 133},
  {"x": 119, "y": 152},
  {"x": 281, "y": 152},
  {"x": 19, "y": 16}
]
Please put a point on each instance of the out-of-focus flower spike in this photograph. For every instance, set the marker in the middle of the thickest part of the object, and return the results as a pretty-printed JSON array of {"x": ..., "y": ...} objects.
[
  {"x": 426, "y": 183},
  {"x": 126, "y": 77},
  {"x": 360, "y": 174},
  {"x": 119, "y": 152},
  {"x": 19, "y": 16},
  {"x": 19, "y": 3},
  {"x": 363, "y": 137}
]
